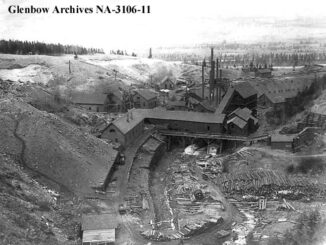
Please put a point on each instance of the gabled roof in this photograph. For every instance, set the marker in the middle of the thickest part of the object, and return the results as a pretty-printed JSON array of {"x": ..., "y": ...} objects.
[
  {"x": 166, "y": 78},
  {"x": 237, "y": 121},
  {"x": 89, "y": 99},
  {"x": 138, "y": 115},
  {"x": 99, "y": 221},
  {"x": 243, "y": 113},
  {"x": 225, "y": 101},
  {"x": 146, "y": 94},
  {"x": 244, "y": 89},
  {"x": 126, "y": 123},
  {"x": 191, "y": 116}
]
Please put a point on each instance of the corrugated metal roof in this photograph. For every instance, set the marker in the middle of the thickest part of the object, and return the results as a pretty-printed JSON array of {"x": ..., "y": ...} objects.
[{"x": 99, "y": 221}]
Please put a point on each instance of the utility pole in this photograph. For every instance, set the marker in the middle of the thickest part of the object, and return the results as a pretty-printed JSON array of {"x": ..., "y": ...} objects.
[
  {"x": 115, "y": 74},
  {"x": 69, "y": 68}
]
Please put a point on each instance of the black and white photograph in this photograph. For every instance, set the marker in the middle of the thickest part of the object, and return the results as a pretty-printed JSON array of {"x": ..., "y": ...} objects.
[{"x": 161, "y": 122}]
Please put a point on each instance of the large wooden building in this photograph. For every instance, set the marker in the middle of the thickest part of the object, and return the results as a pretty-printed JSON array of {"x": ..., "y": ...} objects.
[
  {"x": 238, "y": 95},
  {"x": 126, "y": 129}
]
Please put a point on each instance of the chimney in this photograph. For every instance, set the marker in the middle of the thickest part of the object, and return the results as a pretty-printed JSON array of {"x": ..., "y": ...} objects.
[
  {"x": 127, "y": 116},
  {"x": 216, "y": 68},
  {"x": 203, "y": 79},
  {"x": 221, "y": 74},
  {"x": 212, "y": 75},
  {"x": 131, "y": 116}
]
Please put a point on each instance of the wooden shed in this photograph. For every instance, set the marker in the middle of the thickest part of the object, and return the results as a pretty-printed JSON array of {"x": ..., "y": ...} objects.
[{"x": 99, "y": 229}]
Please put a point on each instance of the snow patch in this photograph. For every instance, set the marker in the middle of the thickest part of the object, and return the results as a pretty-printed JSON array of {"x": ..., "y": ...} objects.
[{"x": 31, "y": 73}]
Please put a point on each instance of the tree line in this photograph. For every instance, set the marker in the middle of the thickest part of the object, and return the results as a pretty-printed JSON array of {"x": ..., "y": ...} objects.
[{"x": 27, "y": 47}]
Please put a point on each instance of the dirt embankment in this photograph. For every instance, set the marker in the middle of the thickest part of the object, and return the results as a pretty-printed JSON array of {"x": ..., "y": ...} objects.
[
  {"x": 52, "y": 148},
  {"x": 34, "y": 214}
]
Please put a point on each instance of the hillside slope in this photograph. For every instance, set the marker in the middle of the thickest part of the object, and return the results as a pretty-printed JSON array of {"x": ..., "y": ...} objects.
[{"x": 53, "y": 149}]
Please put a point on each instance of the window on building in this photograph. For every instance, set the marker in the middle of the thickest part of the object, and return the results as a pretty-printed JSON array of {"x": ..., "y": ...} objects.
[
  {"x": 90, "y": 108},
  {"x": 112, "y": 130},
  {"x": 144, "y": 104},
  {"x": 97, "y": 109},
  {"x": 208, "y": 128}
]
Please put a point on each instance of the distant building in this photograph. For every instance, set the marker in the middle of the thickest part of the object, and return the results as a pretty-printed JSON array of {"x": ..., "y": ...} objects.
[
  {"x": 115, "y": 101},
  {"x": 99, "y": 229},
  {"x": 265, "y": 73},
  {"x": 145, "y": 99},
  {"x": 93, "y": 102},
  {"x": 282, "y": 142},
  {"x": 166, "y": 83},
  {"x": 196, "y": 93}
]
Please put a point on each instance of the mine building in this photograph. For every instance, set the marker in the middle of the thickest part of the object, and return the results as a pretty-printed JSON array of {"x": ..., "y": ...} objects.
[
  {"x": 91, "y": 102},
  {"x": 166, "y": 83},
  {"x": 178, "y": 105},
  {"x": 115, "y": 101},
  {"x": 238, "y": 95},
  {"x": 282, "y": 142},
  {"x": 99, "y": 229},
  {"x": 126, "y": 129},
  {"x": 241, "y": 122},
  {"x": 264, "y": 73},
  {"x": 145, "y": 99},
  {"x": 187, "y": 121}
]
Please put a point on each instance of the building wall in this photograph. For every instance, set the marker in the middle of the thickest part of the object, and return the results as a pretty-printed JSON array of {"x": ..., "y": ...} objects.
[
  {"x": 235, "y": 130},
  {"x": 134, "y": 133},
  {"x": 140, "y": 102},
  {"x": 168, "y": 84},
  {"x": 112, "y": 133},
  {"x": 282, "y": 145},
  {"x": 186, "y": 126},
  {"x": 95, "y": 108}
]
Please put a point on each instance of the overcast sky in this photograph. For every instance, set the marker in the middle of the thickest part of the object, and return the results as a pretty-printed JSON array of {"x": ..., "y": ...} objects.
[{"x": 171, "y": 22}]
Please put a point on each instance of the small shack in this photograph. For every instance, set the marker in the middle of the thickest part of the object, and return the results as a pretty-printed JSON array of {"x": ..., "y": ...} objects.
[
  {"x": 145, "y": 98},
  {"x": 99, "y": 229},
  {"x": 93, "y": 102},
  {"x": 282, "y": 142},
  {"x": 167, "y": 83},
  {"x": 265, "y": 73}
]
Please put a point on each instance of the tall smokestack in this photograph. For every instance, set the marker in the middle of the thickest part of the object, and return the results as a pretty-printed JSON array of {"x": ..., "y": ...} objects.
[
  {"x": 216, "y": 68},
  {"x": 212, "y": 75},
  {"x": 203, "y": 79},
  {"x": 212, "y": 80}
]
